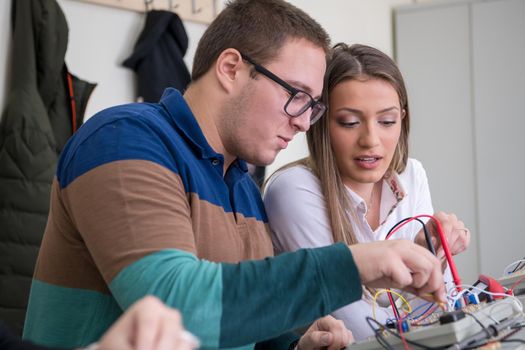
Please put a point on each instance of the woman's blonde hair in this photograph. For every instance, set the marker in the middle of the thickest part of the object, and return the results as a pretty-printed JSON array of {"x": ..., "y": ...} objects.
[{"x": 348, "y": 63}]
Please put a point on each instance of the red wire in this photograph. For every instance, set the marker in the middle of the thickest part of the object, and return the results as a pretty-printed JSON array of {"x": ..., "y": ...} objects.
[
  {"x": 398, "y": 227},
  {"x": 450, "y": 261},
  {"x": 399, "y": 320},
  {"x": 400, "y": 329},
  {"x": 72, "y": 102},
  {"x": 444, "y": 244},
  {"x": 394, "y": 308},
  {"x": 515, "y": 284}
]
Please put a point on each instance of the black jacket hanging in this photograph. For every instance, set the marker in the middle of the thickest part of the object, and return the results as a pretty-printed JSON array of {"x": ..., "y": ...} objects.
[
  {"x": 45, "y": 104},
  {"x": 158, "y": 56}
]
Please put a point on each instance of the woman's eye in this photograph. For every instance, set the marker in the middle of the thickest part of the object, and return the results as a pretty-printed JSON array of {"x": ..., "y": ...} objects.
[
  {"x": 388, "y": 122},
  {"x": 348, "y": 124}
]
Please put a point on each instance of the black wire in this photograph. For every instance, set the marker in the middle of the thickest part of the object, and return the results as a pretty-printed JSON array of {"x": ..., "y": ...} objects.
[
  {"x": 428, "y": 238},
  {"x": 430, "y": 246},
  {"x": 475, "y": 345},
  {"x": 518, "y": 326},
  {"x": 380, "y": 338},
  {"x": 512, "y": 341},
  {"x": 480, "y": 324},
  {"x": 516, "y": 329},
  {"x": 520, "y": 265},
  {"x": 503, "y": 340},
  {"x": 397, "y": 315},
  {"x": 475, "y": 340},
  {"x": 496, "y": 328},
  {"x": 411, "y": 342},
  {"x": 382, "y": 341},
  {"x": 425, "y": 231}
]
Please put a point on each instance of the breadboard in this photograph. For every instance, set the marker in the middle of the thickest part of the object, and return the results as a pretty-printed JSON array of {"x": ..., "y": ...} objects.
[
  {"x": 447, "y": 334},
  {"x": 509, "y": 281}
]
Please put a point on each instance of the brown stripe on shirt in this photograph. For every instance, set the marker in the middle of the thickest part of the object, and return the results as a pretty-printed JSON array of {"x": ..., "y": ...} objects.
[
  {"x": 119, "y": 212},
  {"x": 63, "y": 258},
  {"x": 225, "y": 237}
]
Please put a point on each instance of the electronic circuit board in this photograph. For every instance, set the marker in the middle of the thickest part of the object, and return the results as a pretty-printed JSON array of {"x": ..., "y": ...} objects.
[
  {"x": 442, "y": 335},
  {"x": 510, "y": 280}
]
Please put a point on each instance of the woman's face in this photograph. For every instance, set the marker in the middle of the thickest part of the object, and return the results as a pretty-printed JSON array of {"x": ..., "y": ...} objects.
[{"x": 365, "y": 125}]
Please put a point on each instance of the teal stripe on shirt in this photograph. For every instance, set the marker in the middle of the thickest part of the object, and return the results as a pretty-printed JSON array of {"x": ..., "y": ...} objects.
[
  {"x": 233, "y": 305},
  {"x": 266, "y": 298},
  {"x": 182, "y": 281},
  {"x": 74, "y": 317},
  {"x": 225, "y": 305}
]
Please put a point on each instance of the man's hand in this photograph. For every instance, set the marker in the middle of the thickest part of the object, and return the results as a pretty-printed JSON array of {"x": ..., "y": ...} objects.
[
  {"x": 399, "y": 264},
  {"x": 325, "y": 333},
  {"x": 458, "y": 237},
  {"x": 148, "y": 325}
]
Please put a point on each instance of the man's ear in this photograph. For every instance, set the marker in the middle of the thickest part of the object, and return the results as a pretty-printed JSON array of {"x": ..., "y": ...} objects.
[{"x": 228, "y": 66}]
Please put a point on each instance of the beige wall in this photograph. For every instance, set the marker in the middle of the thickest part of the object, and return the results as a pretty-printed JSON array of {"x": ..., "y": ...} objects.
[{"x": 101, "y": 37}]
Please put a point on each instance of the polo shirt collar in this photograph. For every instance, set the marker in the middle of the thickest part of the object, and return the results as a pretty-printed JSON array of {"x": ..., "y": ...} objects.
[
  {"x": 392, "y": 194},
  {"x": 183, "y": 118},
  {"x": 185, "y": 121}
]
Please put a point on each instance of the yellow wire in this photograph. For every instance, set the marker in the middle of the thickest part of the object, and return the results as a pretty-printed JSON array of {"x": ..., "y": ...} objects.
[{"x": 405, "y": 302}]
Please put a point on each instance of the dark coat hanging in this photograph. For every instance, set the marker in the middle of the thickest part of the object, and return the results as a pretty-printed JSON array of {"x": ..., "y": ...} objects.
[
  {"x": 158, "y": 56},
  {"x": 45, "y": 104}
]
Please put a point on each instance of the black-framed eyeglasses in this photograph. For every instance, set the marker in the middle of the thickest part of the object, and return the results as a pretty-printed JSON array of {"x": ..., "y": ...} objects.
[{"x": 299, "y": 102}]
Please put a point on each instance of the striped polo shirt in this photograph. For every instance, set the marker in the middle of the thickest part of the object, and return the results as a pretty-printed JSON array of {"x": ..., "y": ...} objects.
[{"x": 140, "y": 205}]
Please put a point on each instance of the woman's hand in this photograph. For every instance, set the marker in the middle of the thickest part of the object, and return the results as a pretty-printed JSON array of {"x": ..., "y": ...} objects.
[{"x": 458, "y": 237}]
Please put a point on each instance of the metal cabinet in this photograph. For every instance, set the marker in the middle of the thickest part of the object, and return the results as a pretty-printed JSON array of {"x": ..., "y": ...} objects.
[{"x": 464, "y": 64}]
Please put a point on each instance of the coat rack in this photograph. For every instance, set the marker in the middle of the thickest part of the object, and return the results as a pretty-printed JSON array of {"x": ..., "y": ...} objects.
[{"x": 203, "y": 11}]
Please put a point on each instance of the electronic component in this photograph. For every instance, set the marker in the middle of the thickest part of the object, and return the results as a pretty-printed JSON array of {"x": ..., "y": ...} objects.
[
  {"x": 473, "y": 299},
  {"x": 451, "y": 316},
  {"x": 489, "y": 284},
  {"x": 452, "y": 327},
  {"x": 516, "y": 281}
]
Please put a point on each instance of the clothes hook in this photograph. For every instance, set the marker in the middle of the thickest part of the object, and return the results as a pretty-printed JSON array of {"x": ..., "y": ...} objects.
[
  {"x": 147, "y": 3},
  {"x": 194, "y": 8}
]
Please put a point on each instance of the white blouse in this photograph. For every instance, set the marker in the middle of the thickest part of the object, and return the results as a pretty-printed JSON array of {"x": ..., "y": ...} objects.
[{"x": 298, "y": 219}]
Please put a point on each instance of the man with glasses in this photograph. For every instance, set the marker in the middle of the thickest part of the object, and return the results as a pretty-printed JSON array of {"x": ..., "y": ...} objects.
[
  {"x": 155, "y": 199},
  {"x": 299, "y": 101}
]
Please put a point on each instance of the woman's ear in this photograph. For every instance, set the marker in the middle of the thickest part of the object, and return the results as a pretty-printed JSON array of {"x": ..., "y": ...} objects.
[
  {"x": 228, "y": 66},
  {"x": 403, "y": 113}
]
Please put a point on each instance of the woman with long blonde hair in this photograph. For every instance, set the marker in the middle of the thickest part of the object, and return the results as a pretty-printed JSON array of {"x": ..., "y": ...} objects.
[{"x": 358, "y": 181}]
